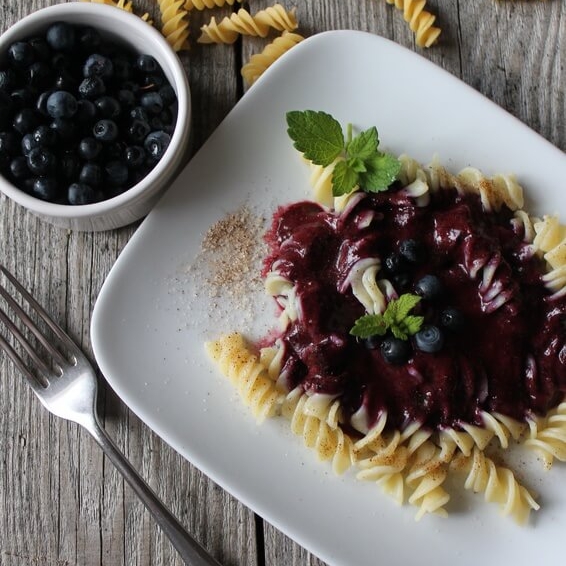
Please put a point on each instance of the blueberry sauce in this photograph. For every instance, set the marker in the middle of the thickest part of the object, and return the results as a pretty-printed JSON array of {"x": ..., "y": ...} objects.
[{"x": 508, "y": 358}]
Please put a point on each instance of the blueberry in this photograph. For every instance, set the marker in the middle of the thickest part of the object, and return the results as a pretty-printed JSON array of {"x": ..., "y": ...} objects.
[
  {"x": 394, "y": 263},
  {"x": 122, "y": 68},
  {"x": 28, "y": 143},
  {"x": 86, "y": 111},
  {"x": 89, "y": 148},
  {"x": 372, "y": 343},
  {"x": 108, "y": 107},
  {"x": 65, "y": 81},
  {"x": 98, "y": 66},
  {"x": 80, "y": 193},
  {"x": 25, "y": 121},
  {"x": 105, "y": 130},
  {"x": 66, "y": 129},
  {"x": 8, "y": 80},
  {"x": 41, "y": 48},
  {"x": 156, "y": 143},
  {"x": 413, "y": 251},
  {"x": 146, "y": 64},
  {"x": 45, "y": 136},
  {"x": 429, "y": 287},
  {"x": 152, "y": 82},
  {"x": 45, "y": 188},
  {"x": 62, "y": 61},
  {"x": 92, "y": 87},
  {"x": 401, "y": 281},
  {"x": 113, "y": 151},
  {"x": 41, "y": 161},
  {"x": 41, "y": 102},
  {"x": 152, "y": 102},
  {"x": 138, "y": 130},
  {"x": 395, "y": 351},
  {"x": 61, "y": 104},
  {"x": 138, "y": 113},
  {"x": 68, "y": 166},
  {"x": 9, "y": 143},
  {"x": 19, "y": 168},
  {"x": 38, "y": 75},
  {"x": 126, "y": 97},
  {"x": 135, "y": 156},
  {"x": 89, "y": 39},
  {"x": 116, "y": 173},
  {"x": 22, "y": 98},
  {"x": 429, "y": 339},
  {"x": 61, "y": 36},
  {"x": 6, "y": 108},
  {"x": 91, "y": 174},
  {"x": 168, "y": 95},
  {"x": 452, "y": 319},
  {"x": 21, "y": 54}
]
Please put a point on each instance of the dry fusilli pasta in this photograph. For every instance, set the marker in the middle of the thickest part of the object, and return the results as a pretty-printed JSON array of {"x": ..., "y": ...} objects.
[
  {"x": 207, "y": 4},
  {"x": 420, "y": 21},
  {"x": 244, "y": 23},
  {"x": 175, "y": 23},
  {"x": 260, "y": 62}
]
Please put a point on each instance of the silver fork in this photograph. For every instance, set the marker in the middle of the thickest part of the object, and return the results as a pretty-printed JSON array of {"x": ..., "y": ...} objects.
[{"x": 67, "y": 386}]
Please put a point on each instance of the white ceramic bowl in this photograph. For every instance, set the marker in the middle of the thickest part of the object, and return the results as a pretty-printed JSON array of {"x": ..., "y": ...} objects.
[{"x": 128, "y": 28}]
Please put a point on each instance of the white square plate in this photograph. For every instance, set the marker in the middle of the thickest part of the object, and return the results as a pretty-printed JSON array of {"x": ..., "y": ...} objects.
[{"x": 148, "y": 327}]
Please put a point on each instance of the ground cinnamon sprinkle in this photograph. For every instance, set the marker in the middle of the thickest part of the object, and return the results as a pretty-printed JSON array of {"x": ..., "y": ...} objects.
[
  {"x": 233, "y": 246},
  {"x": 226, "y": 273}
]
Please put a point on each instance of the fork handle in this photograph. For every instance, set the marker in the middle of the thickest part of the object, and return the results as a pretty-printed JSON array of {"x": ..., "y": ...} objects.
[{"x": 190, "y": 550}]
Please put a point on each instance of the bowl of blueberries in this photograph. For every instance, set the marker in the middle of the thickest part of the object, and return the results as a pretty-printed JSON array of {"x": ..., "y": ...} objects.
[{"x": 94, "y": 115}]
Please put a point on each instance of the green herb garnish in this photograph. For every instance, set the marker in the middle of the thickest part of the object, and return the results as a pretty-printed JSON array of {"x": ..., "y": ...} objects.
[
  {"x": 319, "y": 137},
  {"x": 396, "y": 319}
]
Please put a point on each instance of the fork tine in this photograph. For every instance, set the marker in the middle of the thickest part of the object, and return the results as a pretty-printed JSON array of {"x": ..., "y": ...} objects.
[
  {"x": 40, "y": 364},
  {"x": 18, "y": 362},
  {"x": 67, "y": 342}
]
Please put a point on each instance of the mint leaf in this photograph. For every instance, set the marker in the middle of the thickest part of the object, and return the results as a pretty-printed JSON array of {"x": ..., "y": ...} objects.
[
  {"x": 356, "y": 164},
  {"x": 317, "y": 135},
  {"x": 381, "y": 170},
  {"x": 369, "y": 325},
  {"x": 396, "y": 318},
  {"x": 344, "y": 179},
  {"x": 364, "y": 145},
  {"x": 399, "y": 309}
]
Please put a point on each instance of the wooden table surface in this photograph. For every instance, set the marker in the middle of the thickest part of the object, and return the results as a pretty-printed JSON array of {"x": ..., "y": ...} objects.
[{"x": 61, "y": 502}]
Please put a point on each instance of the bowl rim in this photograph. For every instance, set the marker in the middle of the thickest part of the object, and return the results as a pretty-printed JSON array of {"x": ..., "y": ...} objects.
[{"x": 179, "y": 82}]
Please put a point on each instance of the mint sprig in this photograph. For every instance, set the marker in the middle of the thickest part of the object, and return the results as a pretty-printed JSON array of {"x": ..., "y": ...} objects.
[
  {"x": 396, "y": 318},
  {"x": 320, "y": 138}
]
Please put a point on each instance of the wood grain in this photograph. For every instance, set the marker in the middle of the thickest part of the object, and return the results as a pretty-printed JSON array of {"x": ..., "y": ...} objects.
[{"x": 62, "y": 503}]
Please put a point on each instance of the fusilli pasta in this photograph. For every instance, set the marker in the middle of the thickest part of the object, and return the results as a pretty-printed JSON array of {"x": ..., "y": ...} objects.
[
  {"x": 175, "y": 23},
  {"x": 260, "y": 62},
  {"x": 244, "y": 23},
  {"x": 208, "y": 4},
  {"x": 237, "y": 361},
  {"x": 420, "y": 21}
]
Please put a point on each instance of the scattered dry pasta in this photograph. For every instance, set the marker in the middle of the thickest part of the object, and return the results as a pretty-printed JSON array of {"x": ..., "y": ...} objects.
[
  {"x": 244, "y": 23},
  {"x": 208, "y": 4},
  {"x": 420, "y": 21},
  {"x": 260, "y": 62},
  {"x": 175, "y": 23}
]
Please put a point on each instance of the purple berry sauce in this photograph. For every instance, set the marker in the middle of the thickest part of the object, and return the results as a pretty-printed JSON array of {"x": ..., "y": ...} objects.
[{"x": 509, "y": 359}]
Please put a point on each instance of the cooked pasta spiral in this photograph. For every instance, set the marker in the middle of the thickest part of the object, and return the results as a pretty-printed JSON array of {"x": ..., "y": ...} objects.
[
  {"x": 260, "y": 62},
  {"x": 550, "y": 437},
  {"x": 208, "y": 4},
  {"x": 497, "y": 483},
  {"x": 330, "y": 443},
  {"x": 420, "y": 21},
  {"x": 243, "y": 23},
  {"x": 175, "y": 22},
  {"x": 551, "y": 240},
  {"x": 242, "y": 367}
]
